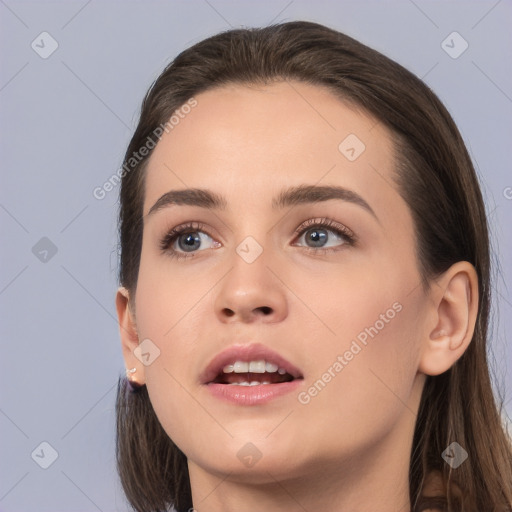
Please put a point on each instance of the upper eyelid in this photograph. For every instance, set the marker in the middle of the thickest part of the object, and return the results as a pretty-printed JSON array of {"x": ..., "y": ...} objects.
[
  {"x": 325, "y": 223},
  {"x": 331, "y": 224}
]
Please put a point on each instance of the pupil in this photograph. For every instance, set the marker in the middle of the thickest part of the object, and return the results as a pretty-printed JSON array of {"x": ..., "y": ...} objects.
[
  {"x": 190, "y": 238},
  {"x": 318, "y": 236}
]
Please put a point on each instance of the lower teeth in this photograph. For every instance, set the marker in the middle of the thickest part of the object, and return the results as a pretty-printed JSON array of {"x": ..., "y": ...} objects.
[{"x": 246, "y": 383}]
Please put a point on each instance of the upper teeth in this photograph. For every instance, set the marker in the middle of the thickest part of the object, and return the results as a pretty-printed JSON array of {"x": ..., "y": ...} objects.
[{"x": 260, "y": 366}]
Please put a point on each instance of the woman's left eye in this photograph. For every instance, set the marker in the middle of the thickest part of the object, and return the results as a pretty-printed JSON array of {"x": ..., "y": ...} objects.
[
  {"x": 182, "y": 241},
  {"x": 315, "y": 231}
]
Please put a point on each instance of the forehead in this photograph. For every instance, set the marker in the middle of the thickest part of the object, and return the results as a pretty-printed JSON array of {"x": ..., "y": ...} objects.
[{"x": 249, "y": 142}]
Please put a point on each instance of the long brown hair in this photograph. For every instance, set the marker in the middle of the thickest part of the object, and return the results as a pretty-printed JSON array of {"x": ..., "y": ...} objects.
[{"x": 436, "y": 178}]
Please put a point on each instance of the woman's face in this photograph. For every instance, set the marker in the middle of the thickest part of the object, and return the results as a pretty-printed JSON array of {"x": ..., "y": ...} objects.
[{"x": 342, "y": 303}]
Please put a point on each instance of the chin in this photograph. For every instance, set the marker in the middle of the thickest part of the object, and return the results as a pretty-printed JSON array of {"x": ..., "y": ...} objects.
[
  {"x": 266, "y": 470},
  {"x": 257, "y": 461}
]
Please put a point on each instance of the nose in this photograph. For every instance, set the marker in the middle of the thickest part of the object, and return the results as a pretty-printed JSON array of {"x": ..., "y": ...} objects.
[{"x": 251, "y": 292}]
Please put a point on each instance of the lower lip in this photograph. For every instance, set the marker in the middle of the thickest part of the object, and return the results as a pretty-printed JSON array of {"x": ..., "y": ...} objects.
[{"x": 252, "y": 395}]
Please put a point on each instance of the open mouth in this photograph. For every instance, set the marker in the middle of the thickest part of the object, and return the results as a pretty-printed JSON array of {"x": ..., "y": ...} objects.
[
  {"x": 253, "y": 373},
  {"x": 250, "y": 375},
  {"x": 249, "y": 365}
]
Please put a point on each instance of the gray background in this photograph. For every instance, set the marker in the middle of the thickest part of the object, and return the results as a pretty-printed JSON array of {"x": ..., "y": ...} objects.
[{"x": 65, "y": 123}]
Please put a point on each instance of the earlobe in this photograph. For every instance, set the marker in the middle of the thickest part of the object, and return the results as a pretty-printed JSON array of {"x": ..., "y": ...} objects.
[
  {"x": 453, "y": 310},
  {"x": 128, "y": 331}
]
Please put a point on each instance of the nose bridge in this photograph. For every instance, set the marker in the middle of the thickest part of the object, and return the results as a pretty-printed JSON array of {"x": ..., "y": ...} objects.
[{"x": 252, "y": 236}]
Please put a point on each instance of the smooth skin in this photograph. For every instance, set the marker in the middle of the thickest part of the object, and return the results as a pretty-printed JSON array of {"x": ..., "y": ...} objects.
[{"x": 348, "y": 449}]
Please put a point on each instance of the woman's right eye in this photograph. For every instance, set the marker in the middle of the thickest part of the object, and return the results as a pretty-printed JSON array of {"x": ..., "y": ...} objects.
[{"x": 187, "y": 236}]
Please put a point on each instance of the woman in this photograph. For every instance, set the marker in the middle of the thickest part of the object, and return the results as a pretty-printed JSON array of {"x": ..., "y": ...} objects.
[{"x": 304, "y": 289}]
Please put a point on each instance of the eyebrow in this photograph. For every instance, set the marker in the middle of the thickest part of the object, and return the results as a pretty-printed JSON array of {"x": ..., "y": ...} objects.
[{"x": 292, "y": 196}]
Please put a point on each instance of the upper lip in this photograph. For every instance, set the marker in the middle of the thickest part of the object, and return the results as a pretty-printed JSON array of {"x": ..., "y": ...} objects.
[{"x": 246, "y": 353}]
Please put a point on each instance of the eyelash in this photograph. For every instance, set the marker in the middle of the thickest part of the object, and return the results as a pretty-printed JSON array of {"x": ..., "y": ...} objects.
[{"x": 192, "y": 227}]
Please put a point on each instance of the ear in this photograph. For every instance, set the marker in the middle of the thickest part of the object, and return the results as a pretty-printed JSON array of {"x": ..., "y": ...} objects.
[
  {"x": 128, "y": 334},
  {"x": 452, "y": 318}
]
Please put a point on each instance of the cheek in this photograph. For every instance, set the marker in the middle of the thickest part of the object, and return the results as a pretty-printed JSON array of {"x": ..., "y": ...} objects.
[
  {"x": 166, "y": 298},
  {"x": 364, "y": 368},
  {"x": 171, "y": 312},
  {"x": 366, "y": 374},
  {"x": 167, "y": 314},
  {"x": 361, "y": 297}
]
